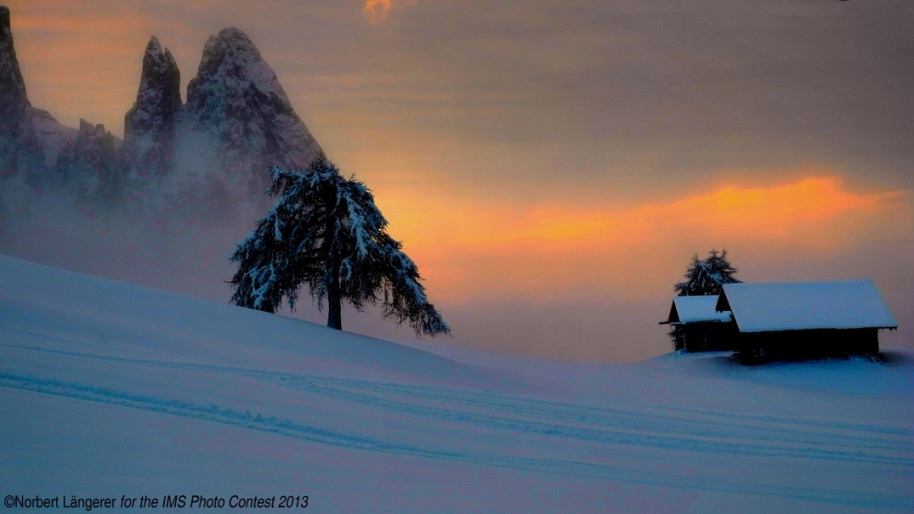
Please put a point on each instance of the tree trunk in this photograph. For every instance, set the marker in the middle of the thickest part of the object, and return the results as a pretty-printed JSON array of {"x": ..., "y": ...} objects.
[
  {"x": 334, "y": 300},
  {"x": 334, "y": 303}
]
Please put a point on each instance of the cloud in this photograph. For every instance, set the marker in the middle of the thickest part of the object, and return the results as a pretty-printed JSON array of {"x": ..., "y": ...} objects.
[
  {"x": 376, "y": 10},
  {"x": 474, "y": 250}
]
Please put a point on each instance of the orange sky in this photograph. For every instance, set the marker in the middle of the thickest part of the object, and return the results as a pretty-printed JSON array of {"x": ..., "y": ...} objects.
[
  {"x": 476, "y": 249},
  {"x": 564, "y": 159},
  {"x": 377, "y": 9}
]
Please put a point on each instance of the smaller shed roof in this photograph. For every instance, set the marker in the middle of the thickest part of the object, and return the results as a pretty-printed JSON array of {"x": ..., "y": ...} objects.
[
  {"x": 776, "y": 307},
  {"x": 696, "y": 309}
]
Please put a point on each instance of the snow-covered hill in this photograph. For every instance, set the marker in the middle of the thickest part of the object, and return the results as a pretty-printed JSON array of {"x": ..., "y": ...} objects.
[{"x": 110, "y": 390}]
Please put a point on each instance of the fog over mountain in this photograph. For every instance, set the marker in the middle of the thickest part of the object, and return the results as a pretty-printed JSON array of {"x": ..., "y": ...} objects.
[
  {"x": 212, "y": 152},
  {"x": 165, "y": 206}
]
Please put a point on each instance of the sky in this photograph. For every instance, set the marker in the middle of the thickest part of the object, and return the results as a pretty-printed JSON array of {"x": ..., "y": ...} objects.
[{"x": 552, "y": 166}]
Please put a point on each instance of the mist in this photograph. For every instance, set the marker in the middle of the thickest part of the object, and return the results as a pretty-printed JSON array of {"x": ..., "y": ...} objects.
[
  {"x": 551, "y": 167},
  {"x": 607, "y": 314}
]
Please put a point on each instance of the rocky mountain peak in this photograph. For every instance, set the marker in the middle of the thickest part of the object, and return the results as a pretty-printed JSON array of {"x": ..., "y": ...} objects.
[
  {"x": 5, "y": 31},
  {"x": 19, "y": 146},
  {"x": 211, "y": 154},
  {"x": 149, "y": 126},
  {"x": 12, "y": 85},
  {"x": 158, "y": 99},
  {"x": 232, "y": 69},
  {"x": 238, "y": 98}
]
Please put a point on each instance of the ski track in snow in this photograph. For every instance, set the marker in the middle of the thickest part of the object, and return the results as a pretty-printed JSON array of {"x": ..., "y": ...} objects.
[{"x": 651, "y": 427}]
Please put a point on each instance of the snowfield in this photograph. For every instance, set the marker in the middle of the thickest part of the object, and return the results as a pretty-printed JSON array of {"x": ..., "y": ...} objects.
[{"x": 109, "y": 390}]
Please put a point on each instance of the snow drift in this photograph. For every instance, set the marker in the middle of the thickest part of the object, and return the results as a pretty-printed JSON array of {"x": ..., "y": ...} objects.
[{"x": 114, "y": 391}]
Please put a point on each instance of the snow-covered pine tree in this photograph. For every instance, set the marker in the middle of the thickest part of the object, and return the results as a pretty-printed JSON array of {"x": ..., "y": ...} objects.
[
  {"x": 326, "y": 232},
  {"x": 705, "y": 277}
]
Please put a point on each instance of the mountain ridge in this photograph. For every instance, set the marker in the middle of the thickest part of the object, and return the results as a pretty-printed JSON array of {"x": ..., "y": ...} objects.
[{"x": 213, "y": 151}]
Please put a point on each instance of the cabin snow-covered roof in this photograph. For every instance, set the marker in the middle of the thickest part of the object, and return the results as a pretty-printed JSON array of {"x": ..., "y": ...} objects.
[
  {"x": 696, "y": 309},
  {"x": 775, "y": 307}
]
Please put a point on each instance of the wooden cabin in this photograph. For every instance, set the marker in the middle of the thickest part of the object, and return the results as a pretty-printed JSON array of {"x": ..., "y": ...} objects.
[
  {"x": 805, "y": 320},
  {"x": 698, "y": 326}
]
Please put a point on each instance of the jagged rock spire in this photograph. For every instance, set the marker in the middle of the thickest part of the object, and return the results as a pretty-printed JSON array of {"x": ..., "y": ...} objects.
[
  {"x": 149, "y": 125},
  {"x": 20, "y": 149},
  {"x": 238, "y": 98},
  {"x": 231, "y": 71},
  {"x": 11, "y": 83},
  {"x": 158, "y": 99}
]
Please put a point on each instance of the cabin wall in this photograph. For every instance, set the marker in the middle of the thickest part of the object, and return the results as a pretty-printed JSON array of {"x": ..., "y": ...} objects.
[
  {"x": 806, "y": 344},
  {"x": 705, "y": 337}
]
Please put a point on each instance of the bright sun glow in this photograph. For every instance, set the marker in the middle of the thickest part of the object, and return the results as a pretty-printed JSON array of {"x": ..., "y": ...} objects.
[{"x": 376, "y": 10}]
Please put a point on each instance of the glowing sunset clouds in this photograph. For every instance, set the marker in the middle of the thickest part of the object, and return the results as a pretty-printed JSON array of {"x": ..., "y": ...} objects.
[
  {"x": 376, "y": 10},
  {"x": 470, "y": 250}
]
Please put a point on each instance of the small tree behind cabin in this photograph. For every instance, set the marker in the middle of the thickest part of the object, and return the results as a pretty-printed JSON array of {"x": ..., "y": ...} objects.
[
  {"x": 703, "y": 277},
  {"x": 325, "y": 232}
]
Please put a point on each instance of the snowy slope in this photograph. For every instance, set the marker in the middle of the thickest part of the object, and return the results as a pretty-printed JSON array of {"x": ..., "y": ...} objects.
[{"x": 110, "y": 390}]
